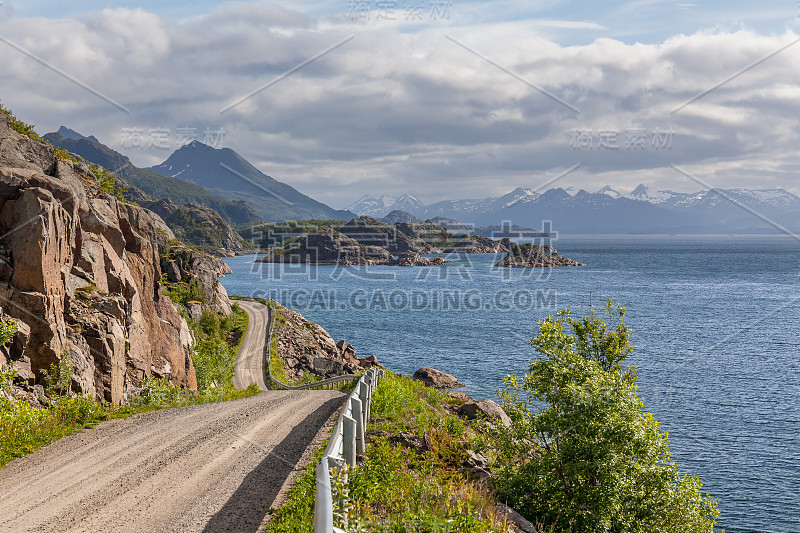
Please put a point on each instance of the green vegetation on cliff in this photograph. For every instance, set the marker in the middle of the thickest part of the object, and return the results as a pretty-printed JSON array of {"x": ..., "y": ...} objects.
[
  {"x": 399, "y": 488},
  {"x": 21, "y": 127},
  {"x": 214, "y": 355}
]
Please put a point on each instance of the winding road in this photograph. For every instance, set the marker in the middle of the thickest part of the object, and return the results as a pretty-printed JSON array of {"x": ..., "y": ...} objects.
[
  {"x": 211, "y": 468},
  {"x": 250, "y": 359}
]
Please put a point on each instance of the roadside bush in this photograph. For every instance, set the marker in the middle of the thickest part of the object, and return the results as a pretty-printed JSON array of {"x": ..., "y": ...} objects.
[{"x": 582, "y": 454}]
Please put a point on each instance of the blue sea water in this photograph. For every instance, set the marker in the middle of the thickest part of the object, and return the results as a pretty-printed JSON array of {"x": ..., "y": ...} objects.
[{"x": 715, "y": 319}]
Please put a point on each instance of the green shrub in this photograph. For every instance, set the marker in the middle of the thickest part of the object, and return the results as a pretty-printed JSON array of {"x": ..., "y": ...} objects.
[
  {"x": 7, "y": 332},
  {"x": 582, "y": 455},
  {"x": 214, "y": 354},
  {"x": 184, "y": 292},
  {"x": 58, "y": 378}
]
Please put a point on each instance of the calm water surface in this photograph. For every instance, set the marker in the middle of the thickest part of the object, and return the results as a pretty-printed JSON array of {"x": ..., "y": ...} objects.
[{"x": 715, "y": 324}]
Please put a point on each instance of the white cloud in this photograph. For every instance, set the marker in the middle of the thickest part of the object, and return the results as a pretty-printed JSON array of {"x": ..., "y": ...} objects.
[{"x": 394, "y": 111}]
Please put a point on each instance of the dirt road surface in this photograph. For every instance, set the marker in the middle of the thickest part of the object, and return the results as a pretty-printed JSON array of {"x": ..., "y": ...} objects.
[
  {"x": 250, "y": 359},
  {"x": 210, "y": 468},
  {"x": 207, "y": 468}
]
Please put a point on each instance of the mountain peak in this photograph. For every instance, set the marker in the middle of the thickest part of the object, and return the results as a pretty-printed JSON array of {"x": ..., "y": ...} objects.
[
  {"x": 226, "y": 173},
  {"x": 607, "y": 190},
  {"x": 639, "y": 191},
  {"x": 68, "y": 133}
]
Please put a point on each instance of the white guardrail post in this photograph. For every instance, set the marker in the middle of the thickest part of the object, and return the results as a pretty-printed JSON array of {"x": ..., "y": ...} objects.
[
  {"x": 355, "y": 406},
  {"x": 348, "y": 440}
]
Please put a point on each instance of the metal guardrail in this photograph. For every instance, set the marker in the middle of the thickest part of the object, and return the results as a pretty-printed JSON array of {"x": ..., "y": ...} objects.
[
  {"x": 347, "y": 440},
  {"x": 325, "y": 383}
]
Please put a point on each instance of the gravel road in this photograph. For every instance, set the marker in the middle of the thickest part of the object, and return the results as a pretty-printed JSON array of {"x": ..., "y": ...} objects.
[
  {"x": 210, "y": 468},
  {"x": 215, "y": 467},
  {"x": 250, "y": 359}
]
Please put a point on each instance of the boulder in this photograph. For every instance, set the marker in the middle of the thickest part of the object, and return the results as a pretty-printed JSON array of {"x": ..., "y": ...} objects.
[
  {"x": 412, "y": 442},
  {"x": 436, "y": 379},
  {"x": 327, "y": 367},
  {"x": 461, "y": 397},
  {"x": 517, "y": 522},
  {"x": 489, "y": 409},
  {"x": 476, "y": 465}
]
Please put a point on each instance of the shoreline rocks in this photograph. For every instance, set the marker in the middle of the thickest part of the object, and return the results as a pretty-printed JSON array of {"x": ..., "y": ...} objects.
[
  {"x": 306, "y": 348},
  {"x": 436, "y": 379}
]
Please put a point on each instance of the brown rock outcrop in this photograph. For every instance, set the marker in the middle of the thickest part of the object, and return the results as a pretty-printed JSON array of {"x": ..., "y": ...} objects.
[
  {"x": 307, "y": 349},
  {"x": 486, "y": 408},
  {"x": 81, "y": 270},
  {"x": 183, "y": 263},
  {"x": 436, "y": 379}
]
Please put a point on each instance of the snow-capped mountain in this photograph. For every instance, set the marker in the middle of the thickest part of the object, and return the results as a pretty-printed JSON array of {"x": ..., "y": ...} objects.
[
  {"x": 408, "y": 203},
  {"x": 761, "y": 198},
  {"x": 607, "y": 190},
  {"x": 610, "y": 211},
  {"x": 373, "y": 206},
  {"x": 470, "y": 209}
]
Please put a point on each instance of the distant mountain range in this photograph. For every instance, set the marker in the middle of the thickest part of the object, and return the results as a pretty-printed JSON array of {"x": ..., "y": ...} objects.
[
  {"x": 609, "y": 211},
  {"x": 227, "y": 174}
]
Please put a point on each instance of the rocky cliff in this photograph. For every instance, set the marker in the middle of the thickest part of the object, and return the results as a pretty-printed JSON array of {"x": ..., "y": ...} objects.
[
  {"x": 80, "y": 272},
  {"x": 309, "y": 352}
]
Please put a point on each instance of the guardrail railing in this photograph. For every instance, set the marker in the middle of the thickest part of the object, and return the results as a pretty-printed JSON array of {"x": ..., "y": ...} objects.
[
  {"x": 322, "y": 384},
  {"x": 347, "y": 440}
]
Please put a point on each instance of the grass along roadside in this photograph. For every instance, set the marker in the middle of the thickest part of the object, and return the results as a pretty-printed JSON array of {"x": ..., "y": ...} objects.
[
  {"x": 25, "y": 428},
  {"x": 400, "y": 487}
]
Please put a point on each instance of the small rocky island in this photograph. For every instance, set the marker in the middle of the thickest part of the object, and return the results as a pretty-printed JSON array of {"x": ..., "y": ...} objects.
[
  {"x": 367, "y": 241},
  {"x": 530, "y": 255},
  {"x": 327, "y": 246}
]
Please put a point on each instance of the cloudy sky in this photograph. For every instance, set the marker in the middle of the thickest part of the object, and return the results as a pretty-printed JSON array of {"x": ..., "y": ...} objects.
[{"x": 441, "y": 99}]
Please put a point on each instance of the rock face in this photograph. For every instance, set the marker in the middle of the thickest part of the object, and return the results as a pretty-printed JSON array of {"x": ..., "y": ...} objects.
[
  {"x": 530, "y": 255},
  {"x": 436, "y": 379},
  {"x": 182, "y": 263},
  {"x": 81, "y": 270},
  {"x": 307, "y": 349}
]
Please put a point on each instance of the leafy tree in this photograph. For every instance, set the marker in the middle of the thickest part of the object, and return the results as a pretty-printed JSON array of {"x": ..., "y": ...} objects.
[{"x": 582, "y": 454}]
